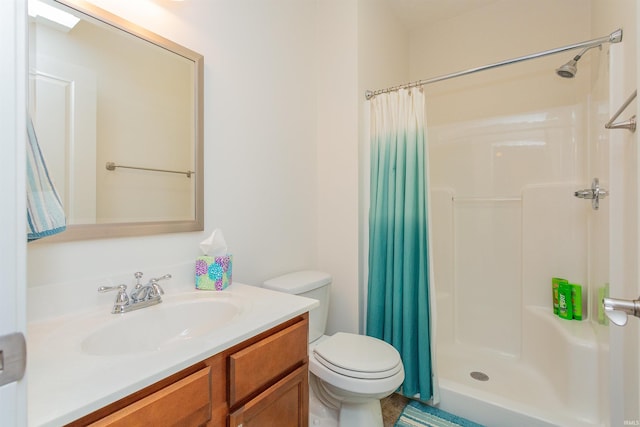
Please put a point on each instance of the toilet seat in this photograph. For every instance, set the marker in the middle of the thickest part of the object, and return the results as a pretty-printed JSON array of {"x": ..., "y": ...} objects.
[
  {"x": 358, "y": 356},
  {"x": 351, "y": 382}
]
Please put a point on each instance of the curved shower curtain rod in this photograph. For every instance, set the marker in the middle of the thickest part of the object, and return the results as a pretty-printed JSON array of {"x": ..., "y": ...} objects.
[{"x": 614, "y": 37}]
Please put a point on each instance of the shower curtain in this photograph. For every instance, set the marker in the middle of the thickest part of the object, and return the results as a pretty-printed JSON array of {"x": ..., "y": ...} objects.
[{"x": 398, "y": 309}]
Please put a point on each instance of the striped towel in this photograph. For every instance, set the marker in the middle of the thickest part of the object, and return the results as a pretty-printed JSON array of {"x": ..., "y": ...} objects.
[{"x": 45, "y": 214}]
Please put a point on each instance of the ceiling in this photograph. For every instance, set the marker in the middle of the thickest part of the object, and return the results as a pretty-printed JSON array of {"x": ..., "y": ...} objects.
[{"x": 418, "y": 13}]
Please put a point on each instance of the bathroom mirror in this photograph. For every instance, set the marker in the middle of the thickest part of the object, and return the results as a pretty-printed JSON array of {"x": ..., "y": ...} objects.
[{"x": 118, "y": 113}]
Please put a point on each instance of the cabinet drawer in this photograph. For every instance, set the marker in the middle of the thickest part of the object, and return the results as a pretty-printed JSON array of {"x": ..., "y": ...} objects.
[
  {"x": 255, "y": 367},
  {"x": 284, "y": 404},
  {"x": 186, "y": 402}
]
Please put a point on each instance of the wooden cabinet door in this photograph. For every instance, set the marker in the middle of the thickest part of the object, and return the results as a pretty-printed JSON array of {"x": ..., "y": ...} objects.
[{"x": 285, "y": 404}]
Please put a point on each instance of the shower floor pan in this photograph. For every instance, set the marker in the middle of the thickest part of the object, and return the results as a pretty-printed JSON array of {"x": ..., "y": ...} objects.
[{"x": 500, "y": 391}]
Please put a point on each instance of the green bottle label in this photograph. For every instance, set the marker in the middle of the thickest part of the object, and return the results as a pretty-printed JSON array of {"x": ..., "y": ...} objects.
[
  {"x": 565, "y": 308},
  {"x": 555, "y": 282}
]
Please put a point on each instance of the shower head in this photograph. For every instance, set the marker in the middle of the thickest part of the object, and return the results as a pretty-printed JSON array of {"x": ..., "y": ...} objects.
[{"x": 570, "y": 69}]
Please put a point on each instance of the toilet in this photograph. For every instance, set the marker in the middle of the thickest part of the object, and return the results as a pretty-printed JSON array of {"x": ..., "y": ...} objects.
[{"x": 348, "y": 373}]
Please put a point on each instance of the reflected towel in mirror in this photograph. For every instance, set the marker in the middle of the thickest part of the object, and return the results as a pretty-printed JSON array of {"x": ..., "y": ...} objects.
[{"x": 45, "y": 214}]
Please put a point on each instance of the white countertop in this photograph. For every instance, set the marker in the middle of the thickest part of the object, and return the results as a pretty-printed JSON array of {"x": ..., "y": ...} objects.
[{"x": 65, "y": 383}]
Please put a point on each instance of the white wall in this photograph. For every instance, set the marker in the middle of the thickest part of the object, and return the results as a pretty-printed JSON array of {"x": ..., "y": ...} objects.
[
  {"x": 261, "y": 183},
  {"x": 502, "y": 30},
  {"x": 337, "y": 161}
]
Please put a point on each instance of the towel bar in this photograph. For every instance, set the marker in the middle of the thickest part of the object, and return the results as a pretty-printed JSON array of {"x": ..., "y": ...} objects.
[
  {"x": 629, "y": 124},
  {"x": 112, "y": 166}
]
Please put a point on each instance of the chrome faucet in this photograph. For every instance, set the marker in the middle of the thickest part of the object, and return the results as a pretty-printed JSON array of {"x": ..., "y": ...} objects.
[{"x": 141, "y": 296}]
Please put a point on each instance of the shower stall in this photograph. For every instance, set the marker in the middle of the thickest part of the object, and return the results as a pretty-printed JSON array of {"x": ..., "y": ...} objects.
[
  {"x": 509, "y": 147},
  {"x": 504, "y": 223}
]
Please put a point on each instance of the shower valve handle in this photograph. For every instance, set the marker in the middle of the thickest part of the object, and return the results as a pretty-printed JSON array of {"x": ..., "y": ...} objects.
[{"x": 595, "y": 193}]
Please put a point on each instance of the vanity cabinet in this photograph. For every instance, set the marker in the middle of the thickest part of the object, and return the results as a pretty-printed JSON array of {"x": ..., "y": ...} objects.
[{"x": 262, "y": 381}]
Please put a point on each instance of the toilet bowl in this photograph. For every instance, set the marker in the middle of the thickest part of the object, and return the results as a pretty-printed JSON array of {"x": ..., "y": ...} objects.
[{"x": 348, "y": 373}]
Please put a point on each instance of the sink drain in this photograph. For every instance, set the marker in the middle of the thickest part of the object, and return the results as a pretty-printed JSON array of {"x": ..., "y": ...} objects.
[{"x": 480, "y": 376}]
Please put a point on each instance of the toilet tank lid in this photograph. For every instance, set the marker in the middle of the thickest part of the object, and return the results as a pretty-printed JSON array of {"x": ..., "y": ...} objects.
[{"x": 298, "y": 282}]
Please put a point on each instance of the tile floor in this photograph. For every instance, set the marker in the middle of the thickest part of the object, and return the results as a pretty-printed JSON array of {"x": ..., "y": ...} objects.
[{"x": 392, "y": 407}]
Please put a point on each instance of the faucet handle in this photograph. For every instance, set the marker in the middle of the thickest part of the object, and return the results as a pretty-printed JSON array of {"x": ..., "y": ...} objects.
[
  {"x": 157, "y": 279},
  {"x": 122, "y": 298},
  {"x": 103, "y": 289},
  {"x": 156, "y": 289}
]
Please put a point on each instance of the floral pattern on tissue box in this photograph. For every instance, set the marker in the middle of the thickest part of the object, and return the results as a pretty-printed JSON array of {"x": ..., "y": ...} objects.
[{"x": 213, "y": 273}]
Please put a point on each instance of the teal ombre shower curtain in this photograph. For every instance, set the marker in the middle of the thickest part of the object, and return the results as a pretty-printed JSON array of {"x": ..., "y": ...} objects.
[{"x": 398, "y": 290}]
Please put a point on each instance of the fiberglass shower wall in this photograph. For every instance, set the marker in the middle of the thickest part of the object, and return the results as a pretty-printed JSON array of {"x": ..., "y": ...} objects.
[
  {"x": 507, "y": 151},
  {"x": 505, "y": 221}
]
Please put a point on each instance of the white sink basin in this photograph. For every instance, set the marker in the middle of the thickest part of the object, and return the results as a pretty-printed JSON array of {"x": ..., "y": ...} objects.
[{"x": 159, "y": 326}]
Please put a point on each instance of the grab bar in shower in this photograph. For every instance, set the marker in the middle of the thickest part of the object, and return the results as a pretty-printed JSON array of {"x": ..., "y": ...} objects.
[
  {"x": 629, "y": 124},
  {"x": 112, "y": 166}
]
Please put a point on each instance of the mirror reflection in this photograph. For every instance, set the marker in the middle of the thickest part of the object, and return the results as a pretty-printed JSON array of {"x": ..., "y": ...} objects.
[{"x": 118, "y": 114}]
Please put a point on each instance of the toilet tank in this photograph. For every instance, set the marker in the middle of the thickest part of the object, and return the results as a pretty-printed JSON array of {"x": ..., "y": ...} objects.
[{"x": 310, "y": 284}]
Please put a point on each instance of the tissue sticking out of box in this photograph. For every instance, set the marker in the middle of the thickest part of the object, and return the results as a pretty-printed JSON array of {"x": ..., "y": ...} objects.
[
  {"x": 213, "y": 269},
  {"x": 214, "y": 245}
]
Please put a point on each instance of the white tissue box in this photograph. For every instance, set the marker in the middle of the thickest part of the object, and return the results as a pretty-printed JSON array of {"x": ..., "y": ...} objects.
[{"x": 213, "y": 272}]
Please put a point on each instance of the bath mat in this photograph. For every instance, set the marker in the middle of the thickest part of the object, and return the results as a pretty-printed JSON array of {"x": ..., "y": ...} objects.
[{"x": 416, "y": 414}]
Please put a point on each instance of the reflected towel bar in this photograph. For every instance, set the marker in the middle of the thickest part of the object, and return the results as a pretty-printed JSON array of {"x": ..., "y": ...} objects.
[
  {"x": 627, "y": 124},
  {"x": 112, "y": 166}
]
